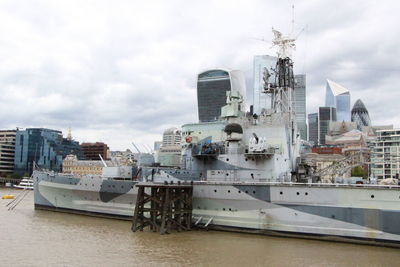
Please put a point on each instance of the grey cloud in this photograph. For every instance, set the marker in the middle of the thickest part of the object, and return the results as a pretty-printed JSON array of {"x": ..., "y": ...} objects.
[{"x": 123, "y": 70}]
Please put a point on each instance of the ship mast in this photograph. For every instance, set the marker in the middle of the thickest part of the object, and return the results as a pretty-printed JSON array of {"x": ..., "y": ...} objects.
[{"x": 282, "y": 90}]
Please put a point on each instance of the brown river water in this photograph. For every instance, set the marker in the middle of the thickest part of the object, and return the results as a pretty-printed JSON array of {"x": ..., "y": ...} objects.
[{"x": 30, "y": 237}]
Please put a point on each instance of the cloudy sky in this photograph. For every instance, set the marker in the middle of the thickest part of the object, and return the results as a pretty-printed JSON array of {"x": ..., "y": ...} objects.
[{"x": 123, "y": 71}]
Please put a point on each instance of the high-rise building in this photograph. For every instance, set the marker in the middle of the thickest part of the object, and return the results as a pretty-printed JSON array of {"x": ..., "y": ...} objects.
[
  {"x": 325, "y": 116},
  {"x": 262, "y": 64},
  {"x": 313, "y": 128},
  {"x": 385, "y": 154},
  {"x": 169, "y": 155},
  {"x": 93, "y": 150},
  {"x": 212, "y": 86},
  {"x": 338, "y": 97},
  {"x": 7, "y": 151},
  {"x": 46, "y": 147},
  {"x": 300, "y": 104},
  {"x": 359, "y": 115}
]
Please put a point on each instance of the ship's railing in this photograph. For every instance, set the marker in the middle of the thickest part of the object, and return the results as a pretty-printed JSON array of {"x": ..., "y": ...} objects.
[{"x": 289, "y": 184}]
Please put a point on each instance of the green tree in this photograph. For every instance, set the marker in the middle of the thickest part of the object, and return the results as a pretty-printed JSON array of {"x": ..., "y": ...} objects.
[{"x": 358, "y": 172}]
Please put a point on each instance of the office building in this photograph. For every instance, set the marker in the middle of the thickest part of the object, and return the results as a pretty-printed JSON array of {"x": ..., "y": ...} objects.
[
  {"x": 325, "y": 116},
  {"x": 46, "y": 147},
  {"x": 299, "y": 104},
  {"x": 7, "y": 151},
  {"x": 359, "y": 115},
  {"x": 263, "y": 65},
  {"x": 169, "y": 155},
  {"x": 338, "y": 97},
  {"x": 93, "y": 150},
  {"x": 313, "y": 128},
  {"x": 386, "y": 154},
  {"x": 212, "y": 86}
]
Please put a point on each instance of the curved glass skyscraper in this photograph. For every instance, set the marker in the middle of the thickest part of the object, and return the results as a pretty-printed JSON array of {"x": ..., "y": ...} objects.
[
  {"x": 359, "y": 115},
  {"x": 338, "y": 97},
  {"x": 212, "y": 86}
]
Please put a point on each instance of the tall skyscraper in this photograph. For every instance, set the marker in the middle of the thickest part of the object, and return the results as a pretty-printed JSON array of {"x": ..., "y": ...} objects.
[
  {"x": 261, "y": 65},
  {"x": 212, "y": 86},
  {"x": 359, "y": 115},
  {"x": 46, "y": 147},
  {"x": 338, "y": 97},
  {"x": 325, "y": 116},
  {"x": 300, "y": 104},
  {"x": 313, "y": 128}
]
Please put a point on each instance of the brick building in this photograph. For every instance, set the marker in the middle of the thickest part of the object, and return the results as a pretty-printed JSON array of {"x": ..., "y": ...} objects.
[{"x": 92, "y": 150}]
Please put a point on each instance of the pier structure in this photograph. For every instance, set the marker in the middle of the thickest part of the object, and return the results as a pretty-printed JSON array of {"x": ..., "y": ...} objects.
[{"x": 163, "y": 207}]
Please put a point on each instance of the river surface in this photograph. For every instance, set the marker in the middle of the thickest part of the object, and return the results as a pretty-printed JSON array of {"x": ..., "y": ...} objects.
[{"x": 30, "y": 237}]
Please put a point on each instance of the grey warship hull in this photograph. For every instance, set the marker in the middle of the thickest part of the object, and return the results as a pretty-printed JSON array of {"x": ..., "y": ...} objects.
[{"x": 369, "y": 214}]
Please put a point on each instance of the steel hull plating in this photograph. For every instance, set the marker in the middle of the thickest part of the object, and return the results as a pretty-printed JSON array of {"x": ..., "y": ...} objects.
[{"x": 366, "y": 213}]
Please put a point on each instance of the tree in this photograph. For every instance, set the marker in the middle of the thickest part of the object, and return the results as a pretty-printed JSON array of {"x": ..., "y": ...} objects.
[{"x": 358, "y": 172}]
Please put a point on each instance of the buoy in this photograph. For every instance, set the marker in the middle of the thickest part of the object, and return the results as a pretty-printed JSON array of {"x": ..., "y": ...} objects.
[{"x": 7, "y": 197}]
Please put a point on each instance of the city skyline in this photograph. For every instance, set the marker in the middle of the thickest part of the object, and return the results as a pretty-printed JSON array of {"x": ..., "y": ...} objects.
[{"x": 127, "y": 71}]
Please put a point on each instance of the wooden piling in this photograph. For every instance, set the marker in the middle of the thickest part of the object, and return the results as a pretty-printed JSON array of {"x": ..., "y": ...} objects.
[{"x": 163, "y": 207}]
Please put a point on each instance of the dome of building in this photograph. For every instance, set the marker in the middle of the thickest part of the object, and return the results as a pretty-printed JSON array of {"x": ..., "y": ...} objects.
[{"x": 359, "y": 115}]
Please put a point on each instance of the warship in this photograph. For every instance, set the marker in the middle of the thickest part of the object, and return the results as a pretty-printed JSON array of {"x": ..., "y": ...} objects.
[{"x": 247, "y": 175}]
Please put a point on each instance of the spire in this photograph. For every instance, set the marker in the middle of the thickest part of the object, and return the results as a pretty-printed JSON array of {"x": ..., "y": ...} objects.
[{"x": 69, "y": 136}]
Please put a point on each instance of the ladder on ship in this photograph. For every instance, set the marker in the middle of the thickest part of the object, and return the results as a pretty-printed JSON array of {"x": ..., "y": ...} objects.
[{"x": 163, "y": 207}]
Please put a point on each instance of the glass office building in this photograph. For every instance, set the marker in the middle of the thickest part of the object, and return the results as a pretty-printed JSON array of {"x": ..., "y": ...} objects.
[
  {"x": 325, "y": 116},
  {"x": 212, "y": 86},
  {"x": 262, "y": 64},
  {"x": 299, "y": 104},
  {"x": 338, "y": 97},
  {"x": 359, "y": 115},
  {"x": 313, "y": 128},
  {"x": 46, "y": 147}
]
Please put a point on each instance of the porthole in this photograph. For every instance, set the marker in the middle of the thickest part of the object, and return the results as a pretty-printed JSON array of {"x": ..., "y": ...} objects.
[
  {"x": 297, "y": 193},
  {"x": 254, "y": 192},
  {"x": 239, "y": 192},
  {"x": 223, "y": 208},
  {"x": 306, "y": 194},
  {"x": 247, "y": 192},
  {"x": 230, "y": 209},
  {"x": 229, "y": 191},
  {"x": 372, "y": 196},
  {"x": 215, "y": 190},
  {"x": 333, "y": 216},
  {"x": 122, "y": 186},
  {"x": 246, "y": 159},
  {"x": 227, "y": 174},
  {"x": 227, "y": 159},
  {"x": 281, "y": 193}
]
